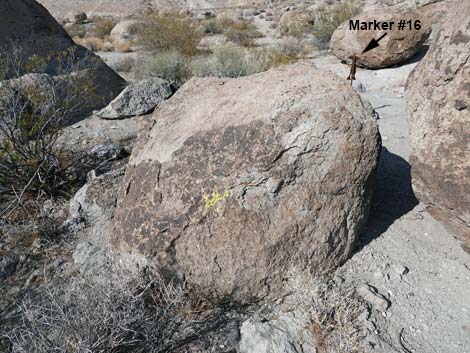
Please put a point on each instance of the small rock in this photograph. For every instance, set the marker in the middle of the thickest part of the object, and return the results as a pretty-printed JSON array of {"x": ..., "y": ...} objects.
[
  {"x": 137, "y": 99},
  {"x": 359, "y": 87},
  {"x": 401, "y": 270},
  {"x": 373, "y": 297},
  {"x": 89, "y": 257}
]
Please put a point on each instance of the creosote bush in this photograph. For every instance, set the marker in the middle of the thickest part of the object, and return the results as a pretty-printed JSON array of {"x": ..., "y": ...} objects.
[
  {"x": 168, "y": 31},
  {"x": 242, "y": 33},
  {"x": 33, "y": 109},
  {"x": 331, "y": 16}
]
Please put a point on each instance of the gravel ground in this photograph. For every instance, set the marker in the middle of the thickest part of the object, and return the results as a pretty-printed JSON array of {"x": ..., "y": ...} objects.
[{"x": 412, "y": 262}]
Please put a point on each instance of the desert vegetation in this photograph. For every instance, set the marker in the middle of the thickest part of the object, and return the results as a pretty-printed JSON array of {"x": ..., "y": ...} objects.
[
  {"x": 238, "y": 215},
  {"x": 331, "y": 16},
  {"x": 33, "y": 109},
  {"x": 111, "y": 311},
  {"x": 160, "y": 32}
]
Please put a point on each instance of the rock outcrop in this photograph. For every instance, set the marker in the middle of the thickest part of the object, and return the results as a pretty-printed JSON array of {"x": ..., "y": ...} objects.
[
  {"x": 137, "y": 99},
  {"x": 123, "y": 33},
  {"x": 240, "y": 180},
  {"x": 28, "y": 26},
  {"x": 396, "y": 47},
  {"x": 438, "y": 102}
]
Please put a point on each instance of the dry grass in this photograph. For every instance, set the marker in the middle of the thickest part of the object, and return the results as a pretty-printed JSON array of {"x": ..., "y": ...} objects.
[
  {"x": 336, "y": 314},
  {"x": 292, "y": 47},
  {"x": 91, "y": 43},
  {"x": 113, "y": 311},
  {"x": 123, "y": 47},
  {"x": 336, "y": 319}
]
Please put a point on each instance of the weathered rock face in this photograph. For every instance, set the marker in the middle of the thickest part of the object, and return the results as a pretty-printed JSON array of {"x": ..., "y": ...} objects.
[
  {"x": 36, "y": 32},
  {"x": 396, "y": 47},
  {"x": 438, "y": 102},
  {"x": 123, "y": 33},
  {"x": 137, "y": 99},
  {"x": 240, "y": 180}
]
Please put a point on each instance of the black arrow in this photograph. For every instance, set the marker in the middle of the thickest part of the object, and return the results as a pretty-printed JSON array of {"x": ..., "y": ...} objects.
[{"x": 374, "y": 43}]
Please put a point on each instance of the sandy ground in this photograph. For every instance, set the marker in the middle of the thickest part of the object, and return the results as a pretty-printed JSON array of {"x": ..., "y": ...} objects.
[{"x": 408, "y": 257}]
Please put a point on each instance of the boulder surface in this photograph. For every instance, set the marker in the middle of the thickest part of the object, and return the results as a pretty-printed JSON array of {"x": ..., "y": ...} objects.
[
  {"x": 438, "y": 103},
  {"x": 241, "y": 180},
  {"x": 396, "y": 47},
  {"x": 29, "y": 26},
  {"x": 137, "y": 99}
]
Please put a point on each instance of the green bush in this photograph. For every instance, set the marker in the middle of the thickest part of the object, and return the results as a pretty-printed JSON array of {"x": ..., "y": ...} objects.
[
  {"x": 330, "y": 17},
  {"x": 76, "y": 30},
  {"x": 236, "y": 62},
  {"x": 169, "y": 65},
  {"x": 169, "y": 31},
  {"x": 242, "y": 33}
]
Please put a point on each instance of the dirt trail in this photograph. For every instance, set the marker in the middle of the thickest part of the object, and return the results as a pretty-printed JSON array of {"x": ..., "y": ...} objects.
[{"x": 406, "y": 255}]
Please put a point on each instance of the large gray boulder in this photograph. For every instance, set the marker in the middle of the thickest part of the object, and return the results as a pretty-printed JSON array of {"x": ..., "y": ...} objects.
[
  {"x": 240, "y": 180},
  {"x": 438, "y": 102},
  {"x": 137, "y": 99},
  {"x": 28, "y": 26},
  {"x": 396, "y": 47}
]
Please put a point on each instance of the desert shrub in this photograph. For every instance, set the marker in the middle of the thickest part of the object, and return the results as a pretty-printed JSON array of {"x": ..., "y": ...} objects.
[
  {"x": 336, "y": 318},
  {"x": 236, "y": 62},
  {"x": 123, "y": 47},
  {"x": 169, "y": 65},
  {"x": 291, "y": 47},
  {"x": 103, "y": 26},
  {"x": 105, "y": 313},
  {"x": 113, "y": 311},
  {"x": 331, "y": 16},
  {"x": 219, "y": 25},
  {"x": 32, "y": 110},
  {"x": 242, "y": 33},
  {"x": 75, "y": 30},
  {"x": 168, "y": 31}
]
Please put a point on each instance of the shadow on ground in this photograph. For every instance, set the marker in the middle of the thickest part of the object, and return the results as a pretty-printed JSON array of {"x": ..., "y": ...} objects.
[
  {"x": 393, "y": 196},
  {"x": 420, "y": 54}
]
